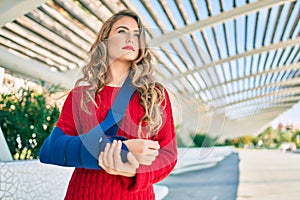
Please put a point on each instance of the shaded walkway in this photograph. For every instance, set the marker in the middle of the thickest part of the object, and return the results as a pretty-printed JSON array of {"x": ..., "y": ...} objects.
[{"x": 219, "y": 182}]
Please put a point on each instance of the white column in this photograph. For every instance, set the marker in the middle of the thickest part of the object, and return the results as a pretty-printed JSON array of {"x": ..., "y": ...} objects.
[
  {"x": 1, "y": 79},
  {"x": 5, "y": 154}
]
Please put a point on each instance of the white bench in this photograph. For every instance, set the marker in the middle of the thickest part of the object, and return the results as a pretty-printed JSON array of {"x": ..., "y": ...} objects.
[
  {"x": 31, "y": 180},
  {"x": 160, "y": 191},
  {"x": 191, "y": 159}
]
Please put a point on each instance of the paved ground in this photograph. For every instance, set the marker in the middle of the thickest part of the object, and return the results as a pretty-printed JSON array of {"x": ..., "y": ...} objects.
[
  {"x": 217, "y": 183},
  {"x": 269, "y": 174},
  {"x": 249, "y": 175}
]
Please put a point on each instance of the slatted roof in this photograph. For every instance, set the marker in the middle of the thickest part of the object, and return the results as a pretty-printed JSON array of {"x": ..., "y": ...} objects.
[{"x": 231, "y": 65}]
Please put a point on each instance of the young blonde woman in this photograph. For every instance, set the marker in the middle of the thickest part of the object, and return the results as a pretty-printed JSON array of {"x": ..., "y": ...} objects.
[{"x": 119, "y": 51}]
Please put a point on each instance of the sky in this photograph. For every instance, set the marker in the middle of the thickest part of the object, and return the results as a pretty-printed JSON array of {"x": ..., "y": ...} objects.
[{"x": 288, "y": 117}]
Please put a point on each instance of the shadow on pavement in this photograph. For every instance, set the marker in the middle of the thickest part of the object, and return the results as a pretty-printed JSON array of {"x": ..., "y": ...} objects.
[{"x": 216, "y": 183}]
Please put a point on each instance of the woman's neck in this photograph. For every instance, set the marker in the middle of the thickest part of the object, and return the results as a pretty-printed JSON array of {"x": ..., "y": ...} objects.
[{"x": 118, "y": 72}]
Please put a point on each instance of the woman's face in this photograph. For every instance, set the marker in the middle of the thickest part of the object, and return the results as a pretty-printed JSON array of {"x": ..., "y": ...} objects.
[{"x": 123, "y": 40}]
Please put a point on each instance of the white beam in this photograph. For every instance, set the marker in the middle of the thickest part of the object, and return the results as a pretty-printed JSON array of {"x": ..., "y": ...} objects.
[
  {"x": 12, "y": 9},
  {"x": 196, "y": 104},
  {"x": 265, "y": 72},
  {"x": 250, "y": 114},
  {"x": 284, "y": 44},
  {"x": 269, "y": 71},
  {"x": 224, "y": 16},
  {"x": 289, "y": 82},
  {"x": 267, "y": 97},
  {"x": 241, "y": 127},
  {"x": 33, "y": 69},
  {"x": 255, "y": 107}
]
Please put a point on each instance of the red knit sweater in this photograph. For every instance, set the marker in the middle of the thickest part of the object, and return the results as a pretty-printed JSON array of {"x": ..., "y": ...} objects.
[{"x": 97, "y": 184}]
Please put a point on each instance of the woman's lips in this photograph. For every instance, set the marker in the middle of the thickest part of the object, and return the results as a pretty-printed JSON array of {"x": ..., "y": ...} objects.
[{"x": 129, "y": 48}]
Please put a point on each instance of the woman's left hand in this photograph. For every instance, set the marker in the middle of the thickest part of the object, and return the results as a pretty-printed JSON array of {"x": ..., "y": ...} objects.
[{"x": 110, "y": 160}]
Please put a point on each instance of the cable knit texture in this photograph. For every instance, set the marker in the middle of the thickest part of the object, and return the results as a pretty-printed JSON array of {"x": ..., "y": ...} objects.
[{"x": 87, "y": 184}]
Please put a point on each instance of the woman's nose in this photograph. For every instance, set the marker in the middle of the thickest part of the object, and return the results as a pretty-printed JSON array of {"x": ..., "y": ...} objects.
[{"x": 129, "y": 38}]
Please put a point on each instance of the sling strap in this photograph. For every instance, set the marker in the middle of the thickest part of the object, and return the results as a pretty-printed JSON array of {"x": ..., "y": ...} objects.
[{"x": 82, "y": 151}]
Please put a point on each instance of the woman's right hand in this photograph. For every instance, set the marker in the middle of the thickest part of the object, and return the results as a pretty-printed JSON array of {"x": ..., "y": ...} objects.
[
  {"x": 145, "y": 151},
  {"x": 110, "y": 160}
]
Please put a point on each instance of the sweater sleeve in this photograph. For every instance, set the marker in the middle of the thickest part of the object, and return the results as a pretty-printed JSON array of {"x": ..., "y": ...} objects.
[
  {"x": 165, "y": 161},
  {"x": 65, "y": 147},
  {"x": 66, "y": 121}
]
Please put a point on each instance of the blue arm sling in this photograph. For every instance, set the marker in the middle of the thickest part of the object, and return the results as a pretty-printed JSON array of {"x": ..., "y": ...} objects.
[{"x": 82, "y": 151}]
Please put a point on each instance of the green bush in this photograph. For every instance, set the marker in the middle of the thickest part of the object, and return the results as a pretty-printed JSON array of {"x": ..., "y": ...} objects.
[
  {"x": 179, "y": 141},
  {"x": 296, "y": 138},
  {"x": 203, "y": 140},
  {"x": 26, "y": 120}
]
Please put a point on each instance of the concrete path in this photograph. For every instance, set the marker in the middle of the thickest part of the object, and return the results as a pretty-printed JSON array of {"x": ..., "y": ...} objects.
[
  {"x": 216, "y": 183},
  {"x": 248, "y": 175},
  {"x": 269, "y": 174}
]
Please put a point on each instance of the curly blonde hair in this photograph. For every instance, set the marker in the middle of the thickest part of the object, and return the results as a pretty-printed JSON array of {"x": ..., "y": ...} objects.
[{"x": 95, "y": 73}]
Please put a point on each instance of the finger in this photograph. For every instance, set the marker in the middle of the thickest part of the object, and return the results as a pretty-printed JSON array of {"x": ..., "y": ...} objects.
[
  {"x": 150, "y": 157},
  {"x": 150, "y": 151},
  {"x": 100, "y": 159},
  {"x": 105, "y": 157},
  {"x": 117, "y": 156},
  {"x": 120, "y": 166},
  {"x": 110, "y": 154},
  {"x": 132, "y": 161},
  {"x": 100, "y": 162},
  {"x": 146, "y": 159},
  {"x": 154, "y": 153},
  {"x": 152, "y": 144}
]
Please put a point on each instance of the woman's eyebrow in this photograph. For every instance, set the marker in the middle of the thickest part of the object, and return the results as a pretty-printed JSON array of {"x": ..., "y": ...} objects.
[{"x": 125, "y": 27}]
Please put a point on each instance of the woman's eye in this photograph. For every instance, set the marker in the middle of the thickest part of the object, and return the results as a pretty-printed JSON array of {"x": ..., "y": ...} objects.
[
  {"x": 121, "y": 31},
  {"x": 137, "y": 35}
]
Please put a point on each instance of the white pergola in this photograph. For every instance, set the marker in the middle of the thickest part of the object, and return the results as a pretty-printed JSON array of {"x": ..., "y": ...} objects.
[{"x": 231, "y": 66}]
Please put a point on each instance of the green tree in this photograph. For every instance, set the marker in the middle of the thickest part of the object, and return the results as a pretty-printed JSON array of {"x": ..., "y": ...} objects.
[
  {"x": 255, "y": 141},
  {"x": 26, "y": 120},
  {"x": 246, "y": 140},
  {"x": 203, "y": 140},
  {"x": 228, "y": 142},
  {"x": 296, "y": 138},
  {"x": 269, "y": 137}
]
